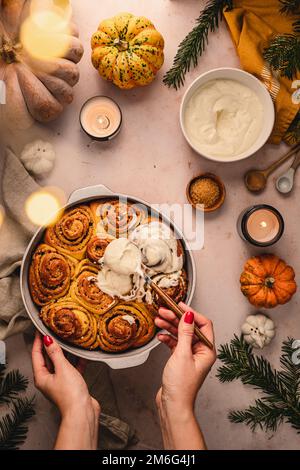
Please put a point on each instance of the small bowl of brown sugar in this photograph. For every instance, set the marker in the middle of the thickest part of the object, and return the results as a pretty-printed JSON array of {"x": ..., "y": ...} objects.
[{"x": 206, "y": 192}]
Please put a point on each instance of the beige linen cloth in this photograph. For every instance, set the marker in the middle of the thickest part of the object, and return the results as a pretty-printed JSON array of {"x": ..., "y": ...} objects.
[{"x": 15, "y": 233}]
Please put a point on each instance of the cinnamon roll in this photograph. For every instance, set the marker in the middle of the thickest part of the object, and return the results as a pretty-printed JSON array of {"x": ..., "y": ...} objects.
[
  {"x": 71, "y": 322},
  {"x": 86, "y": 292},
  {"x": 118, "y": 218},
  {"x": 50, "y": 274},
  {"x": 72, "y": 232},
  {"x": 175, "y": 285},
  {"x": 96, "y": 248},
  {"x": 127, "y": 325},
  {"x": 161, "y": 251}
]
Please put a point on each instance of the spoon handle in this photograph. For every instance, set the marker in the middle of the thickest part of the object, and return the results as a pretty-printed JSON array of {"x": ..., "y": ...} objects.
[
  {"x": 296, "y": 162},
  {"x": 281, "y": 160},
  {"x": 178, "y": 311}
]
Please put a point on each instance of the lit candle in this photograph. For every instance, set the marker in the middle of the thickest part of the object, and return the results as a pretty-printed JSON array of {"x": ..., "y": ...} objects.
[
  {"x": 261, "y": 225},
  {"x": 101, "y": 118}
]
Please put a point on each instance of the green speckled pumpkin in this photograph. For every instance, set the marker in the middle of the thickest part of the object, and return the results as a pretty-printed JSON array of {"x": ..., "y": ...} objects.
[{"x": 127, "y": 50}]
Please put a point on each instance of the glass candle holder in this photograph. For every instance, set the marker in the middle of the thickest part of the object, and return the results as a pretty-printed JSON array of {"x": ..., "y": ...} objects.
[
  {"x": 261, "y": 225},
  {"x": 101, "y": 118}
]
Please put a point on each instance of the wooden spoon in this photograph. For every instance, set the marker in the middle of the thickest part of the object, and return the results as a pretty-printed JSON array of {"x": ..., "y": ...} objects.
[
  {"x": 256, "y": 180},
  {"x": 176, "y": 309}
]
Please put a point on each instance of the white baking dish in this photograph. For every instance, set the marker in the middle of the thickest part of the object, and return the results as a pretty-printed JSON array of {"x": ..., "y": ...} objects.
[{"x": 125, "y": 359}]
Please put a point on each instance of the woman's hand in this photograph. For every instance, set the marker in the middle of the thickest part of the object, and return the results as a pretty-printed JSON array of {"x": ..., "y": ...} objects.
[
  {"x": 64, "y": 385},
  {"x": 184, "y": 373}
]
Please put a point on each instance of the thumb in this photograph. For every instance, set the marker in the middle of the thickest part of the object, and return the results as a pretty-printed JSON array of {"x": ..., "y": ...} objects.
[
  {"x": 54, "y": 351},
  {"x": 186, "y": 332}
]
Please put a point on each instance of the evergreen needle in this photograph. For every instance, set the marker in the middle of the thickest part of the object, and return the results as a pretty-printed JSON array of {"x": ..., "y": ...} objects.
[
  {"x": 11, "y": 385},
  {"x": 13, "y": 426},
  {"x": 193, "y": 45},
  {"x": 281, "y": 389},
  {"x": 283, "y": 55}
]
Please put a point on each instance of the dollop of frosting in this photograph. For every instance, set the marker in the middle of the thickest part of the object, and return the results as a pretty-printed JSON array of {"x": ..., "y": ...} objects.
[
  {"x": 121, "y": 273},
  {"x": 159, "y": 248},
  {"x": 151, "y": 248},
  {"x": 122, "y": 257}
]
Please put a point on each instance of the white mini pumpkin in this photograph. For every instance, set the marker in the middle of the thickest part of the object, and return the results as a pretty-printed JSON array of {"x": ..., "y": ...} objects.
[
  {"x": 258, "y": 330},
  {"x": 38, "y": 157}
]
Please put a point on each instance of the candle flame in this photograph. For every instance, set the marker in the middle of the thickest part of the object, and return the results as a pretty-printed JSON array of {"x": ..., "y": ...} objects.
[
  {"x": 43, "y": 207},
  {"x": 263, "y": 224}
]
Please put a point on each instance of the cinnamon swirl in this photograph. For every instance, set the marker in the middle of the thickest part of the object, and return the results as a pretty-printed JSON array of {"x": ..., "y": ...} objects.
[
  {"x": 71, "y": 322},
  {"x": 85, "y": 291},
  {"x": 117, "y": 218},
  {"x": 175, "y": 285},
  {"x": 127, "y": 325},
  {"x": 96, "y": 248},
  {"x": 72, "y": 232},
  {"x": 50, "y": 274}
]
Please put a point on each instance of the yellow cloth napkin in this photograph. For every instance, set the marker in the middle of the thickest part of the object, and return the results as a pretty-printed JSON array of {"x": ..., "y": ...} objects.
[{"x": 253, "y": 23}]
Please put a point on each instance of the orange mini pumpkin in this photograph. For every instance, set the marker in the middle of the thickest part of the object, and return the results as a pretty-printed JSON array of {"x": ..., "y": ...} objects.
[{"x": 268, "y": 281}]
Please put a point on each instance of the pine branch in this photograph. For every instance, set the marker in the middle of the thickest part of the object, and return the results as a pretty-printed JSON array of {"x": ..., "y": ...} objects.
[
  {"x": 193, "y": 45},
  {"x": 11, "y": 385},
  {"x": 290, "y": 7},
  {"x": 261, "y": 414},
  {"x": 2, "y": 371},
  {"x": 281, "y": 399},
  {"x": 13, "y": 426},
  {"x": 290, "y": 372},
  {"x": 293, "y": 132},
  {"x": 241, "y": 364},
  {"x": 283, "y": 55},
  {"x": 296, "y": 26}
]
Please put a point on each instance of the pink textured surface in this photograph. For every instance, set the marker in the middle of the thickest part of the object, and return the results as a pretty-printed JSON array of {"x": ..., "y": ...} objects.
[{"x": 151, "y": 160}]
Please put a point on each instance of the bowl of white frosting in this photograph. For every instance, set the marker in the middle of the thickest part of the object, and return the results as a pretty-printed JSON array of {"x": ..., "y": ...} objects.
[{"x": 227, "y": 115}]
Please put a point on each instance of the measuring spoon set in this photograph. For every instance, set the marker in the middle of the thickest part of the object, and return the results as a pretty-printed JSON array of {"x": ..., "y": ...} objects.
[{"x": 256, "y": 180}]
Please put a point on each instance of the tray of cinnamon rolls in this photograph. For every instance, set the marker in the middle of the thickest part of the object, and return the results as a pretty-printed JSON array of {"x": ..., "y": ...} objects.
[{"x": 83, "y": 276}]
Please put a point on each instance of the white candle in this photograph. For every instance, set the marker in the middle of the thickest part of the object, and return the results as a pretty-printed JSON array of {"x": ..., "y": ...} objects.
[
  {"x": 101, "y": 118},
  {"x": 263, "y": 226}
]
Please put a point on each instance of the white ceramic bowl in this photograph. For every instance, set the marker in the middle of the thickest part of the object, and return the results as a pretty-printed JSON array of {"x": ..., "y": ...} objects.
[{"x": 251, "y": 82}]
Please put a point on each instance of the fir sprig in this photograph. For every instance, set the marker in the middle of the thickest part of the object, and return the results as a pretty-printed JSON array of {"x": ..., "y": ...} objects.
[
  {"x": 289, "y": 7},
  {"x": 281, "y": 389},
  {"x": 193, "y": 45},
  {"x": 293, "y": 133},
  {"x": 13, "y": 426},
  {"x": 11, "y": 385},
  {"x": 283, "y": 54}
]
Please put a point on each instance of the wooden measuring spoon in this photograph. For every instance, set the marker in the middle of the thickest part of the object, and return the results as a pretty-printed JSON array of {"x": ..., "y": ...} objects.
[{"x": 256, "y": 180}]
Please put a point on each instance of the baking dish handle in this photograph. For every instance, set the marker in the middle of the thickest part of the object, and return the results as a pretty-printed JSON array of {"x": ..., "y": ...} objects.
[
  {"x": 126, "y": 362},
  {"x": 89, "y": 191}
]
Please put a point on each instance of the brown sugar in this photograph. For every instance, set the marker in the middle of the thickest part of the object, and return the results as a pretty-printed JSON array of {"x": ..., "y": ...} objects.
[{"x": 205, "y": 191}]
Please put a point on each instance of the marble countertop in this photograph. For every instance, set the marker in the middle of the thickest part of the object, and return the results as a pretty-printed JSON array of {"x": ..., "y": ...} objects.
[{"x": 151, "y": 160}]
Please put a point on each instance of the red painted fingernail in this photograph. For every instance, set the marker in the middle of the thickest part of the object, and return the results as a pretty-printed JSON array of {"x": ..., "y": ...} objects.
[
  {"x": 189, "y": 317},
  {"x": 47, "y": 340}
]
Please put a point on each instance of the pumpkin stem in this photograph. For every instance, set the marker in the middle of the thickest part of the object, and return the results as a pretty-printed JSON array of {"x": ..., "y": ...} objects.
[
  {"x": 9, "y": 50},
  {"x": 121, "y": 44},
  {"x": 269, "y": 282}
]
